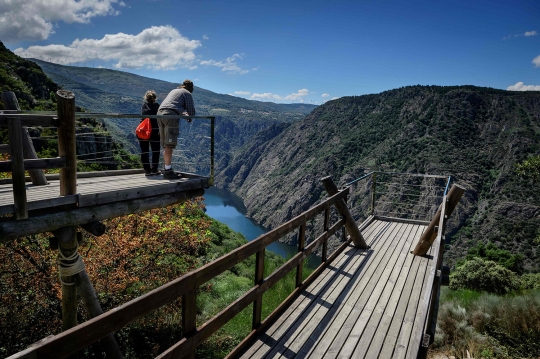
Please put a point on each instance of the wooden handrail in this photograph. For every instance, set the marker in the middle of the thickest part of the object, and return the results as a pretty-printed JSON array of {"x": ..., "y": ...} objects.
[
  {"x": 85, "y": 334},
  {"x": 429, "y": 235}
]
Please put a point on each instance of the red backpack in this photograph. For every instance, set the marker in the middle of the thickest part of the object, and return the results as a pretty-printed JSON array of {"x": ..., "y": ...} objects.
[{"x": 144, "y": 130}]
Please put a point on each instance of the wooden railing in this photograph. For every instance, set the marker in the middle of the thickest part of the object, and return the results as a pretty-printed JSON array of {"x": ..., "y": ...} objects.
[
  {"x": 64, "y": 120},
  {"x": 79, "y": 337}
]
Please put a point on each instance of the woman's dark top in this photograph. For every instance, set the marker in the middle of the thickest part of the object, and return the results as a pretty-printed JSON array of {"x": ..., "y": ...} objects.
[{"x": 149, "y": 109}]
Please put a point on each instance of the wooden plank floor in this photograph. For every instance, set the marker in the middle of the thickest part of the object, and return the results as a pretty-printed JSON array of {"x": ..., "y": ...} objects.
[
  {"x": 364, "y": 305},
  {"x": 100, "y": 190}
]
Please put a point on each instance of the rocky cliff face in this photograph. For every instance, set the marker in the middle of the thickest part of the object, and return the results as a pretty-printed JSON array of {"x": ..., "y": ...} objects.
[{"x": 475, "y": 134}]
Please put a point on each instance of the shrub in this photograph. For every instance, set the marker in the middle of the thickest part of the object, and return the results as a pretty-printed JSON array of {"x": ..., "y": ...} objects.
[
  {"x": 530, "y": 281},
  {"x": 481, "y": 275},
  {"x": 491, "y": 252}
]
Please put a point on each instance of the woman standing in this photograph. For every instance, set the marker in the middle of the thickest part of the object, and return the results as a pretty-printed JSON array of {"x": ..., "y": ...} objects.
[{"x": 149, "y": 108}]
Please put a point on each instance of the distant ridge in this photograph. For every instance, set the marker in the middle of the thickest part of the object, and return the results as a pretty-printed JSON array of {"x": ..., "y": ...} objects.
[
  {"x": 106, "y": 90},
  {"x": 475, "y": 134}
]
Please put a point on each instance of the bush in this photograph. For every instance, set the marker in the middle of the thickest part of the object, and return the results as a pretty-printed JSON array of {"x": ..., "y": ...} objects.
[
  {"x": 481, "y": 275},
  {"x": 530, "y": 281},
  {"x": 487, "y": 325},
  {"x": 491, "y": 252}
]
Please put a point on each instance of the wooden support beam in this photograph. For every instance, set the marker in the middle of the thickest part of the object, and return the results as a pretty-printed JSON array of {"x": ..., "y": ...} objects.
[
  {"x": 341, "y": 206},
  {"x": 429, "y": 235},
  {"x": 91, "y": 303},
  {"x": 445, "y": 276},
  {"x": 67, "y": 246},
  {"x": 94, "y": 227}
]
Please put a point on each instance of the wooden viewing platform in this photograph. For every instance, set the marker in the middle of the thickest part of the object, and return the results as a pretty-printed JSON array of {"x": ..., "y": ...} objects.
[
  {"x": 368, "y": 303},
  {"x": 99, "y": 195}
]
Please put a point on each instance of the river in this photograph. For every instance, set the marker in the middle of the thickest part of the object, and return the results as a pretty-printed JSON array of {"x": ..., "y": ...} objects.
[{"x": 228, "y": 208}]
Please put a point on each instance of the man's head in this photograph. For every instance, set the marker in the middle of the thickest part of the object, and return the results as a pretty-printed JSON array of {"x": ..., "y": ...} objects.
[{"x": 188, "y": 85}]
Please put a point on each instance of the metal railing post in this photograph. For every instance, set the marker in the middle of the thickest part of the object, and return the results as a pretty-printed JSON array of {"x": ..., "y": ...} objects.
[
  {"x": 373, "y": 187},
  {"x": 212, "y": 126}
]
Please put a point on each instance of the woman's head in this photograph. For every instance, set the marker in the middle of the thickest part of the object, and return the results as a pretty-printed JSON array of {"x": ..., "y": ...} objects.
[{"x": 150, "y": 96}]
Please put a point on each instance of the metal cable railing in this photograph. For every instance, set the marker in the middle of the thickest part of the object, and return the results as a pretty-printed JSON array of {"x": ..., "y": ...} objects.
[{"x": 403, "y": 195}]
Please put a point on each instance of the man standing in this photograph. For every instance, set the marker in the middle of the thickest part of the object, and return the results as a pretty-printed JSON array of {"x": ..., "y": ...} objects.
[{"x": 178, "y": 102}]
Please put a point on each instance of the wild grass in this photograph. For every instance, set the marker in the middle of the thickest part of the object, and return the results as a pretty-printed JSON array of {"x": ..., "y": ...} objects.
[
  {"x": 487, "y": 325},
  {"x": 228, "y": 287}
]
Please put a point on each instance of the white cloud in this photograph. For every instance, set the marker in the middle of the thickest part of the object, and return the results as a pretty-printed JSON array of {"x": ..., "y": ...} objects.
[
  {"x": 242, "y": 93},
  {"x": 33, "y": 20},
  {"x": 205, "y": 37},
  {"x": 536, "y": 61},
  {"x": 325, "y": 95},
  {"x": 158, "y": 47},
  {"x": 274, "y": 97},
  {"x": 519, "y": 86},
  {"x": 229, "y": 65},
  {"x": 526, "y": 34}
]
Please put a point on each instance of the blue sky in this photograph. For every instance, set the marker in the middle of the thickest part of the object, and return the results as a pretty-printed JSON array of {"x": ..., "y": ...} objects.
[{"x": 288, "y": 51}]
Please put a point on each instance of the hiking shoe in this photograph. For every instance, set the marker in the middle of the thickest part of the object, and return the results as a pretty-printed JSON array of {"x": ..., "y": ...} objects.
[{"x": 170, "y": 174}]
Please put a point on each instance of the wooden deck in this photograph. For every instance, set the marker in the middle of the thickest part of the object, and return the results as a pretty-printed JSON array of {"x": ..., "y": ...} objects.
[
  {"x": 99, "y": 193},
  {"x": 366, "y": 304}
]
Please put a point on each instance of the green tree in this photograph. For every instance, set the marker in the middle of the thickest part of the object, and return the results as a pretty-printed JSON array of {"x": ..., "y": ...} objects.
[
  {"x": 484, "y": 275},
  {"x": 529, "y": 169},
  {"x": 490, "y": 251}
]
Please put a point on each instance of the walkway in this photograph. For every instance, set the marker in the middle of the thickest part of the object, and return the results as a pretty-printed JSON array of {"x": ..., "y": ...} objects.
[{"x": 366, "y": 304}]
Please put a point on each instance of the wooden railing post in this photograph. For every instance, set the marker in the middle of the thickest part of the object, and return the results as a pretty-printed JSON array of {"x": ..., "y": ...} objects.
[
  {"x": 189, "y": 314},
  {"x": 341, "y": 206},
  {"x": 259, "y": 276},
  {"x": 37, "y": 176},
  {"x": 17, "y": 168},
  {"x": 301, "y": 248},
  {"x": 324, "y": 255},
  {"x": 429, "y": 235},
  {"x": 67, "y": 240},
  {"x": 66, "y": 141}
]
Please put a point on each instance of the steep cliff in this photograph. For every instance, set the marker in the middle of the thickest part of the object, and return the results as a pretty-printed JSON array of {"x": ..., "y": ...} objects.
[{"x": 475, "y": 134}]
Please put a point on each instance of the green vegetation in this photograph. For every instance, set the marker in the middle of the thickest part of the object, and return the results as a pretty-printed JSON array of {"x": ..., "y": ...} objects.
[
  {"x": 484, "y": 275},
  {"x": 513, "y": 262},
  {"x": 137, "y": 254},
  {"x": 476, "y": 135},
  {"x": 34, "y": 90},
  {"x": 529, "y": 168},
  {"x": 487, "y": 325}
]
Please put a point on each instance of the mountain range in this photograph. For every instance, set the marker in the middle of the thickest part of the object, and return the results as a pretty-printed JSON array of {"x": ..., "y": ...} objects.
[
  {"x": 273, "y": 155},
  {"x": 476, "y": 135},
  {"x": 111, "y": 91}
]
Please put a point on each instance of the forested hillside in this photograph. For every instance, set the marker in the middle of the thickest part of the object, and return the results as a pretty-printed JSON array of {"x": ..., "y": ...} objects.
[
  {"x": 105, "y": 90},
  {"x": 97, "y": 149},
  {"x": 31, "y": 86},
  {"x": 477, "y": 135}
]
